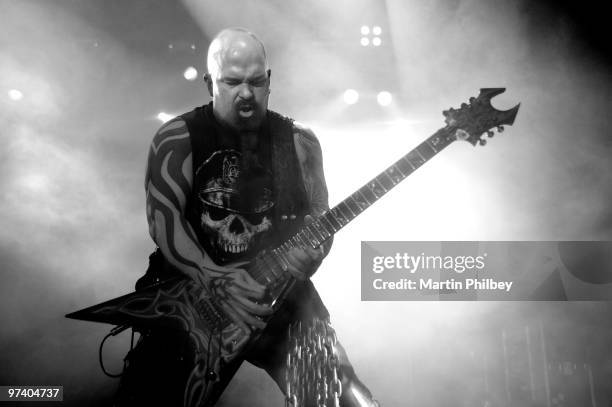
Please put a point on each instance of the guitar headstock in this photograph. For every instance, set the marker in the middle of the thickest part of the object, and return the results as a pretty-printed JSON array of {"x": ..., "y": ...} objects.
[{"x": 472, "y": 121}]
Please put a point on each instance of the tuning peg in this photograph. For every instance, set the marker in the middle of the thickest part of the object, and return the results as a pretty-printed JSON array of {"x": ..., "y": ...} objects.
[
  {"x": 448, "y": 112},
  {"x": 482, "y": 142},
  {"x": 500, "y": 129},
  {"x": 490, "y": 134}
]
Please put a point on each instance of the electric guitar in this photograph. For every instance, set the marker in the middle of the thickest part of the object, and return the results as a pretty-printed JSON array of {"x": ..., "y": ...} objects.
[{"x": 180, "y": 303}]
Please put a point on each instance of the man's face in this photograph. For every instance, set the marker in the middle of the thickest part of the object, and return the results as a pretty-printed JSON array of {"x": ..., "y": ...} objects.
[{"x": 240, "y": 90}]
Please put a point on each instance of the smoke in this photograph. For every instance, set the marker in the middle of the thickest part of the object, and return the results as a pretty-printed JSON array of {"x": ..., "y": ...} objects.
[
  {"x": 552, "y": 168},
  {"x": 70, "y": 208}
]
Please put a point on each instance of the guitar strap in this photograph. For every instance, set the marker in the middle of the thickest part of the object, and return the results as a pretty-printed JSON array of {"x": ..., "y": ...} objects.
[{"x": 292, "y": 203}]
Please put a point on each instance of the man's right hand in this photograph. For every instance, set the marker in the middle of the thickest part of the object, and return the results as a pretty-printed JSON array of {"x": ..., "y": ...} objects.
[{"x": 237, "y": 294}]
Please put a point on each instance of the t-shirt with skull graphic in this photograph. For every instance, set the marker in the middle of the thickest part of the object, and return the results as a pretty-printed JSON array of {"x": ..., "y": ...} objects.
[{"x": 233, "y": 197}]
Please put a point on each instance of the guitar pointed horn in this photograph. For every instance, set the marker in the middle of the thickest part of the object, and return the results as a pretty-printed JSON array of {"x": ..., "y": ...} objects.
[
  {"x": 510, "y": 114},
  {"x": 506, "y": 116},
  {"x": 489, "y": 93}
]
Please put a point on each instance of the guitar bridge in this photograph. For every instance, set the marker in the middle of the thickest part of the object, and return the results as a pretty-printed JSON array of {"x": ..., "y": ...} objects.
[{"x": 209, "y": 312}]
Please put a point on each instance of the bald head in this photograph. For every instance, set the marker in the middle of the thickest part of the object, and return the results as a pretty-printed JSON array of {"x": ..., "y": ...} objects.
[
  {"x": 238, "y": 79},
  {"x": 234, "y": 44}
]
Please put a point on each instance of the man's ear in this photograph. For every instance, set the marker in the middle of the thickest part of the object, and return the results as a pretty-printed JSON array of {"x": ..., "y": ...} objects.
[{"x": 209, "y": 84}]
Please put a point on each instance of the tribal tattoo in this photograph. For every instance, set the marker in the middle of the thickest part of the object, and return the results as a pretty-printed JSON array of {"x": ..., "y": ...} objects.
[{"x": 168, "y": 184}]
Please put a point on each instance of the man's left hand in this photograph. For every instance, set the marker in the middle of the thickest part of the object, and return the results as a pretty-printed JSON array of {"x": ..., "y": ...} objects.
[{"x": 303, "y": 261}]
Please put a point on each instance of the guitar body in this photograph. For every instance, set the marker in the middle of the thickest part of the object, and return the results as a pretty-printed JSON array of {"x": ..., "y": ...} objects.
[
  {"x": 183, "y": 305},
  {"x": 176, "y": 304}
]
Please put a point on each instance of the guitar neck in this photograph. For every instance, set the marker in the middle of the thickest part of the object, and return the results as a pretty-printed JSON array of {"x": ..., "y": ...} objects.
[
  {"x": 340, "y": 215},
  {"x": 327, "y": 224}
]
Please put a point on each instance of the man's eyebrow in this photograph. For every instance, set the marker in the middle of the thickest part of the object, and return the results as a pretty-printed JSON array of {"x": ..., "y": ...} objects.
[
  {"x": 230, "y": 77},
  {"x": 237, "y": 78}
]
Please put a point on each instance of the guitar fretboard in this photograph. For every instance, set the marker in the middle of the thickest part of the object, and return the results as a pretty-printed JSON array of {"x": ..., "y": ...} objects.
[{"x": 271, "y": 263}]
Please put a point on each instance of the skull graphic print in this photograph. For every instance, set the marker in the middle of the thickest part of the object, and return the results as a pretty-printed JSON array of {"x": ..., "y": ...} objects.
[{"x": 235, "y": 206}]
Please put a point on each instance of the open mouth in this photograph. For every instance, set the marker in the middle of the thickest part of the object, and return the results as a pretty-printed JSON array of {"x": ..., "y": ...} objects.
[{"x": 246, "y": 110}]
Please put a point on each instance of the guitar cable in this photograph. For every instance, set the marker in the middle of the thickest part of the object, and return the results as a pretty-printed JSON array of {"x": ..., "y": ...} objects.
[{"x": 114, "y": 332}]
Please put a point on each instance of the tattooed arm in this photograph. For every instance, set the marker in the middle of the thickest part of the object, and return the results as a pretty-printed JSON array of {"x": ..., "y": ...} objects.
[
  {"x": 168, "y": 184},
  {"x": 304, "y": 263}
]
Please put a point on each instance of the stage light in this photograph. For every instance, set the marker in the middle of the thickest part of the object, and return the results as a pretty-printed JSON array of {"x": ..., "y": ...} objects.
[
  {"x": 164, "y": 117},
  {"x": 365, "y": 41},
  {"x": 193, "y": 47},
  {"x": 190, "y": 73},
  {"x": 170, "y": 46},
  {"x": 365, "y": 30},
  {"x": 384, "y": 98},
  {"x": 376, "y": 41},
  {"x": 376, "y": 30},
  {"x": 351, "y": 96},
  {"x": 15, "y": 94}
]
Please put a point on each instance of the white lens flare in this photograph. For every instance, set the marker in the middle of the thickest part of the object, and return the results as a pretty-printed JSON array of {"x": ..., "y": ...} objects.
[
  {"x": 376, "y": 41},
  {"x": 365, "y": 41},
  {"x": 190, "y": 73},
  {"x": 365, "y": 30},
  {"x": 384, "y": 98},
  {"x": 351, "y": 96},
  {"x": 15, "y": 94},
  {"x": 376, "y": 30},
  {"x": 164, "y": 117}
]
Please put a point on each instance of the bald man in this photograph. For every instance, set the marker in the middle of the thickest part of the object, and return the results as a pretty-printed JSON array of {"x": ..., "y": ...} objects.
[{"x": 223, "y": 182}]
